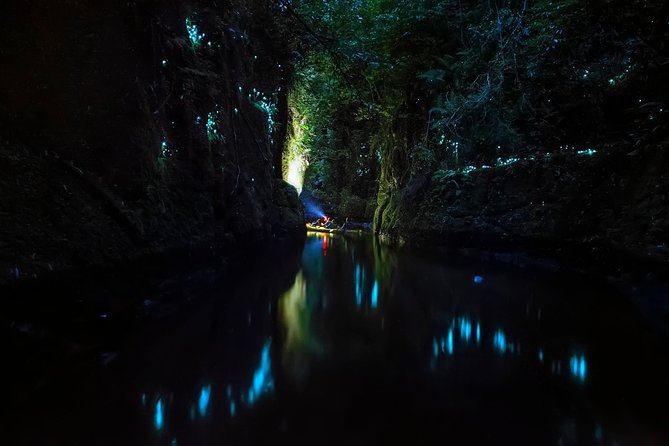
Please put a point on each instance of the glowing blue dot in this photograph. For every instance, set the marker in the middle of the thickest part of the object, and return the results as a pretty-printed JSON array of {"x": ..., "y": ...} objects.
[
  {"x": 165, "y": 149},
  {"x": 478, "y": 279},
  {"x": 193, "y": 33}
]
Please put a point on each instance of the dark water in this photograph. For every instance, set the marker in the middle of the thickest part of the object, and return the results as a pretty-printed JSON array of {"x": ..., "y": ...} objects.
[{"x": 348, "y": 342}]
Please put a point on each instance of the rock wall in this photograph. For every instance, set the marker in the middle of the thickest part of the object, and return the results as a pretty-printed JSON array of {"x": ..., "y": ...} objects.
[
  {"x": 138, "y": 127},
  {"x": 609, "y": 205}
]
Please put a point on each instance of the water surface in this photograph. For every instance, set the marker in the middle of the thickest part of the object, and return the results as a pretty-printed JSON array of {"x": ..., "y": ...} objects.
[{"x": 348, "y": 342}]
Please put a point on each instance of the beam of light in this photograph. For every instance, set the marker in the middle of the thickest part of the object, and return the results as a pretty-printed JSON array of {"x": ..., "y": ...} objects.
[
  {"x": 375, "y": 294},
  {"x": 295, "y": 173},
  {"x": 159, "y": 417},
  {"x": 203, "y": 402},
  {"x": 541, "y": 355},
  {"x": 233, "y": 408},
  {"x": 478, "y": 333},
  {"x": 311, "y": 207}
]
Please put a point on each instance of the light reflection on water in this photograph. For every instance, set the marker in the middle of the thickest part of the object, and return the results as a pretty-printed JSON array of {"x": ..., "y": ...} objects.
[
  {"x": 263, "y": 382},
  {"x": 325, "y": 311},
  {"x": 578, "y": 367},
  {"x": 203, "y": 403},
  {"x": 352, "y": 329},
  {"x": 499, "y": 341},
  {"x": 159, "y": 415},
  {"x": 320, "y": 279},
  {"x": 375, "y": 294}
]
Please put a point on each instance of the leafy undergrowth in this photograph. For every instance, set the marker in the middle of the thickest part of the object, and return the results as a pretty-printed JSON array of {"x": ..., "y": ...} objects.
[{"x": 616, "y": 199}]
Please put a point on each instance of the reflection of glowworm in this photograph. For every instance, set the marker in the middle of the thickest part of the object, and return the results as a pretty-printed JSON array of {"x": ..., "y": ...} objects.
[
  {"x": 577, "y": 366},
  {"x": 375, "y": 294},
  {"x": 262, "y": 383},
  {"x": 461, "y": 329},
  {"x": 158, "y": 419},
  {"x": 359, "y": 283},
  {"x": 262, "y": 378},
  {"x": 499, "y": 341},
  {"x": 203, "y": 402}
]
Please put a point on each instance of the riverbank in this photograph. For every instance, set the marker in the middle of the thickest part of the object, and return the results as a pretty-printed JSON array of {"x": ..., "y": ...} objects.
[{"x": 604, "y": 209}]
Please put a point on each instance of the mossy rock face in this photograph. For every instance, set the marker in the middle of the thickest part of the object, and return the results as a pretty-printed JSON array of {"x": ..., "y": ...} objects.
[
  {"x": 354, "y": 206},
  {"x": 611, "y": 201},
  {"x": 288, "y": 216},
  {"x": 161, "y": 142}
]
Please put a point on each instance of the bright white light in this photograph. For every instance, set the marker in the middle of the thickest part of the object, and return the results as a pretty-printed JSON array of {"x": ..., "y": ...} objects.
[{"x": 295, "y": 173}]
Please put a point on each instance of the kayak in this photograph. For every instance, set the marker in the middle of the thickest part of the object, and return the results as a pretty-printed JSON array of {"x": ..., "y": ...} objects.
[{"x": 322, "y": 229}]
